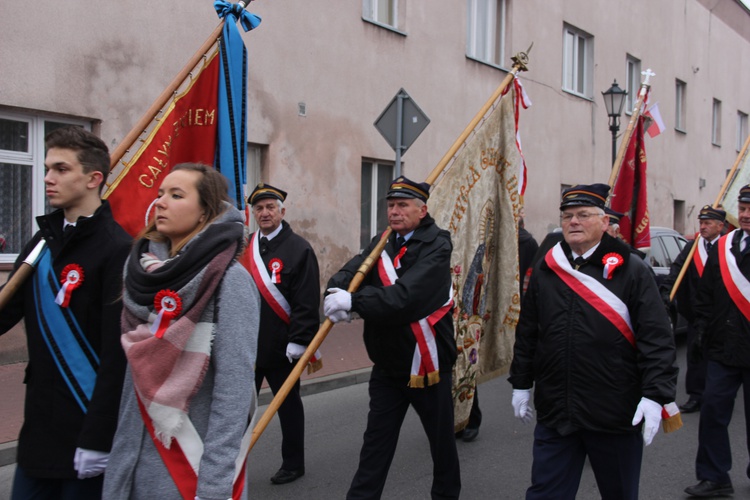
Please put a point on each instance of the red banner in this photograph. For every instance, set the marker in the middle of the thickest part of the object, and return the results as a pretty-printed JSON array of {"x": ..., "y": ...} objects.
[
  {"x": 629, "y": 194},
  {"x": 186, "y": 132}
]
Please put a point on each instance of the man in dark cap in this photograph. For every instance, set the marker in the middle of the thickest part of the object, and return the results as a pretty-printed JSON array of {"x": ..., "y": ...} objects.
[
  {"x": 613, "y": 229},
  {"x": 711, "y": 222},
  {"x": 285, "y": 269},
  {"x": 722, "y": 323},
  {"x": 406, "y": 304},
  {"x": 597, "y": 353}
]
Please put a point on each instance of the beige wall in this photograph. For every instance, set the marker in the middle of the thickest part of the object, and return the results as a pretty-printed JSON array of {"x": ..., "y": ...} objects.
[{"x": 109, "y": 62}]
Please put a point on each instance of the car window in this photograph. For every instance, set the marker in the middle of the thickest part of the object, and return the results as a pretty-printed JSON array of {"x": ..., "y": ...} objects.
[
  {"x": 672, "y": 247},
  {"x": 656, "y": 254}
]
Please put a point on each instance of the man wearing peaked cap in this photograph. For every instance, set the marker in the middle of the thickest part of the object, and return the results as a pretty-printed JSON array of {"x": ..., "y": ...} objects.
[
  {"x": 711, "y": 223},
  {"x": 285, "y": 269},
  {"x": 723, "y": 338},
  {"x": 412, "y": 282},
  {"x": 567, "y": 333},
  {"x": 614, "y": 222}
]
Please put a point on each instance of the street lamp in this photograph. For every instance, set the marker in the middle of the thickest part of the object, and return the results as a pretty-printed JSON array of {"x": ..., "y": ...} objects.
[{"x": 614, "y": 100}]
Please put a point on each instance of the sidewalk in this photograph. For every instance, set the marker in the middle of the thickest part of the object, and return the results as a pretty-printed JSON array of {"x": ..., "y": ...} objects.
[{"x": 345, "y": 362}]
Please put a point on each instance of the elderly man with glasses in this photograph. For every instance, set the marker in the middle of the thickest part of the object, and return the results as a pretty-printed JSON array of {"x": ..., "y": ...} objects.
[{"x": 595, "y": 345}]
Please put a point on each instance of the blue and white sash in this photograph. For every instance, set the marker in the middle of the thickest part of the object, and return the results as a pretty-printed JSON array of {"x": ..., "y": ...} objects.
[{"x": 69, "y": 347}]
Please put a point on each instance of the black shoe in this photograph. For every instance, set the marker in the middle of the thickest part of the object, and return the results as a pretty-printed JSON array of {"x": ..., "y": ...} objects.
[
  {"x": 691, "y": 406},
  {"x": 287, "y": 476},
  {"x": 710, "y": 489},
  {"x": 470, "y": 434}
]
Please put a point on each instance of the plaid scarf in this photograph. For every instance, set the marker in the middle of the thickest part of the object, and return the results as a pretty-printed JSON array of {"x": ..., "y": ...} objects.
[{"x": 167, "y": 371}]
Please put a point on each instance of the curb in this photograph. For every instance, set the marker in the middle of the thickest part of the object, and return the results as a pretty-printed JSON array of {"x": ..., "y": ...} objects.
[{"x": 307, "y": 388}]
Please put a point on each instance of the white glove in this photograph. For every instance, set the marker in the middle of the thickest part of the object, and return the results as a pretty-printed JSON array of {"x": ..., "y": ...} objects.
[
  {"x": 521, "y": 408},
  {"x": 294, "y": 351},
  {"x": 340, "y": 316},
  {"x": 650, "y": 412},
  {"x": 89, "y": 463},
  {"x": 337, "y": 300}
]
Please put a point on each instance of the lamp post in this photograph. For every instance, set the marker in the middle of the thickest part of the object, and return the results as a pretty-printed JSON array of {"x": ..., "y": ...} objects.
[{"x": 614, "y": 100}]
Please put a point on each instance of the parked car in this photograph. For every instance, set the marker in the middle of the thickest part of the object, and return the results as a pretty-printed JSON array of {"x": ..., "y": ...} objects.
[{"x": 666, "y": 245}]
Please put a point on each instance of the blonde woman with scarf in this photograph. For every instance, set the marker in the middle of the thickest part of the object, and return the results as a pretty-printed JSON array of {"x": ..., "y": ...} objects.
[{"x": 190, "y": 329}]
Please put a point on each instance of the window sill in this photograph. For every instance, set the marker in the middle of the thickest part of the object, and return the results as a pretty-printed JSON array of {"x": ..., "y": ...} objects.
[
  {"x": 384, "y": 26},
  {"x": 575, "y": 94},
  {"x": 487, "y": 63}
]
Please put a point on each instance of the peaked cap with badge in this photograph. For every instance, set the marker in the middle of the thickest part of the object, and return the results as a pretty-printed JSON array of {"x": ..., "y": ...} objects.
[
  {"x": 405, "y": 188},
  {"x": 263, "y": 191},
  {"x": 710, "y": 213},
  {"x": 583, "y": 195}
]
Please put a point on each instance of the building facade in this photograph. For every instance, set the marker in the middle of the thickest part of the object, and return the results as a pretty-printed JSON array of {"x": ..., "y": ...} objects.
[{"x": 322, "y": 72}]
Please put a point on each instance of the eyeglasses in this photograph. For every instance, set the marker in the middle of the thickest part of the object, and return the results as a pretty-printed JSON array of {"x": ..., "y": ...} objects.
[{"x": 581, "y": 216}]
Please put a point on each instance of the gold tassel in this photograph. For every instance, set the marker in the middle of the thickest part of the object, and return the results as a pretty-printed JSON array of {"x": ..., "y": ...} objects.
[
  {"x": 672, "y": 423},
  {"x": 312, "y": 367},
  {"x": 416, "y": 382},
  {"x": 433, "y": 378}
]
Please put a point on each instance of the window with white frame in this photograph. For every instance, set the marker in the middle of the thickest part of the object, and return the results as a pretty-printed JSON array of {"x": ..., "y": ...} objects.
[
  {"x": 741, "y": 130},
  {"x": 680, "y": 90},
  {"x": 485, "y": 30},
  {"x": 22, "y": 177},
  {"x": 578, "y": 67},
  {"x": 383, "y": 12},
  {"x": 376, "y": 178},
  {"x": 716, "y": 123},
  {"x": 633, "y": 84}
]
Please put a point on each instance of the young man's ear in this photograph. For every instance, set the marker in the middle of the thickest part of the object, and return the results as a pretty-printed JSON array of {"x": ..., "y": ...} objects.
[{"x": 95, "y": 180}]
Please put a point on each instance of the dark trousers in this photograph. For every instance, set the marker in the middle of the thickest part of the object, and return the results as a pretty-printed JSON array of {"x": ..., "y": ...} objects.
[
  {"x": 695, "y": 375},
  {"x": 389, "y": 400},
  {"x": 714, "y": 453},
  {"x": 558, "y": 463},
  {"x": 291, "y": 416},
  {"x": 32, "y": 488},
  {"x": 475, "y": 416}
]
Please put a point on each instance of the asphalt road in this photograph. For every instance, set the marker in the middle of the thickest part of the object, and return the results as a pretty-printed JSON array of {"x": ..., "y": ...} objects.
[{"x": 497, "y": 465}]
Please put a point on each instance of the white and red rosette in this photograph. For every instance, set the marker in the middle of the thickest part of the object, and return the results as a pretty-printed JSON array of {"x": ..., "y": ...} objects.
[
  {"x": 71, "y": 278},
  {"x": 611, "y": 262},
  {"x": 168, "y": 304},
  {"x": 275, "y": 266}
]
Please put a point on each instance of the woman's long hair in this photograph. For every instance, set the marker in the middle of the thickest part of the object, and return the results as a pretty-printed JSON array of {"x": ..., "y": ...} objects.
[{"x": 212, "y": 192}]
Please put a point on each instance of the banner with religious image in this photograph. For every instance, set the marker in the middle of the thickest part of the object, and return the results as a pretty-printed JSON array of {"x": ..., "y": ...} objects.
[{"x": 478, "y": 201}]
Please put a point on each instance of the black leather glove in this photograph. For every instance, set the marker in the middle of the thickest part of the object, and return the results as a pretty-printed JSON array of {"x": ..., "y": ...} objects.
[{"x": 695, "y": 348}]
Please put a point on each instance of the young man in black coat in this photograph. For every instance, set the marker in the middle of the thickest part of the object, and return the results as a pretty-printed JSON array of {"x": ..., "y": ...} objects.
[
  {"x": 406, "y": 303},
  {"x": 71, "y": 309},
  {"x": 285, "y": 269}
]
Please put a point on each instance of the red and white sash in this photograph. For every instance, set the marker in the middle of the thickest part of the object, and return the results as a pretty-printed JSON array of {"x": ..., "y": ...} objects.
[
  {"x": 700, "y": 255},
  {"x": 183, "y": 457},
  {"x": 273, "y": 296},
  {"x": 736, "y": 283},
  {"x": 265, "y": 284},
  {"x": 425, "y": 359},
  {"x": 593, "y": 292}
]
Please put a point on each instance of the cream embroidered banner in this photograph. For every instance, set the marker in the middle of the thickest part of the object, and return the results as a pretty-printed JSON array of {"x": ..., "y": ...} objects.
[{"x": 477, "y": 200}]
